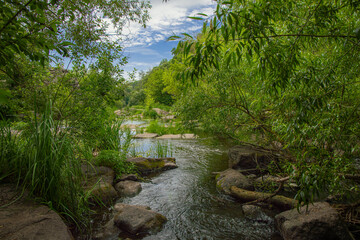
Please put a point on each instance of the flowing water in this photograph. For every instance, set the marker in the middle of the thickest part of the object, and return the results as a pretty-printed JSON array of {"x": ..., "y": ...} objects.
[{"x": 188, "y": 197}]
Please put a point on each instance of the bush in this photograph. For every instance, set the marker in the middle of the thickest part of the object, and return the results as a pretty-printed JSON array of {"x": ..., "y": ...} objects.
[
  {"x": 155, "y": 127},
  {"x": 150, "y": 114},
  {"x": 115, "y": 160}
]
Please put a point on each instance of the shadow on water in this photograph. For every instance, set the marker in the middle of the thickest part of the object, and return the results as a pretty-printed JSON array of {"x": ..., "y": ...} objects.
[{"x": 188, "y": 197}]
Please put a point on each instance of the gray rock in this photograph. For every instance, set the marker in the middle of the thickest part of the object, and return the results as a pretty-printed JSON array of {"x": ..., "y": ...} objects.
[
  {"x": 266, "y": 179},
  {"x": 170, "y": 136},
  {"x": 247, "y": 157},
  {"x": 161, "y": 112},
  {"x": 94, "y": 173},
  {"x": 25, "y": 219},
  {"x": 146, "y": 135},
  {"x": 128, "y": 188},
  {"x": 138, "y": 219},
  {"x": 230, "y": 177},
  {"x": 320, "y": 222},
  {"x": 108, "y": 231},
  {"x": 149, "y": 165},
  {"x": 103, "y": 191},
  {"x": 251, "y": 210},
  {"x": 188, "y": 136},
  {"x": 130, "y": 177},
  {"x": 99, "y": 180}
]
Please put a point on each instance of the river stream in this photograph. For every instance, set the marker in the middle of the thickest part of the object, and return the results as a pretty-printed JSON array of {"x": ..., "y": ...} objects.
[{"x": 188, "y": 197}]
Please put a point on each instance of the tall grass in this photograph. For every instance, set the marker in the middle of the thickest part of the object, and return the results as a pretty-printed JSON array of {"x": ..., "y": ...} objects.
[
  {"x": 108, "y": 135},
  {"x": 45, "y": 164},
  {"x": 10, "y": 151},
  {"x": 159, "y": 128},
  {"x": 163, "y": 150}
]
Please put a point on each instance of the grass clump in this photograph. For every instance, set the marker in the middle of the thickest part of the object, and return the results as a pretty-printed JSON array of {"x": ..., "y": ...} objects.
[
  {"x": 161, "y": 129},
  {"x": 163, "y": 149},
  {"x": 43, "y": 162},
  {"x": 114, "y": 159}
]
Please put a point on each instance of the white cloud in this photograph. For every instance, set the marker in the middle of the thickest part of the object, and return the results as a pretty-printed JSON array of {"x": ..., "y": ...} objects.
[{"x": 167, "y": 19}]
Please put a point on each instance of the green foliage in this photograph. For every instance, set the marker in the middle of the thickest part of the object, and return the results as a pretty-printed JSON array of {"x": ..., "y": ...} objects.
[
  {"x": 150, "y": 113},
  {"x": 288, "y": 71},
  {"x": 158, "y": 86},
  {"x": 116, "y": 161},
  {"x": 161, "y": 129},
  {"x": 44, "y": 163},
  {"x": 34, "y": 28}
]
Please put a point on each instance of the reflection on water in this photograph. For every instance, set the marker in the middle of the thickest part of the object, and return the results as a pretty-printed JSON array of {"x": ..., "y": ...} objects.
[{"x": 188, "y": 197}]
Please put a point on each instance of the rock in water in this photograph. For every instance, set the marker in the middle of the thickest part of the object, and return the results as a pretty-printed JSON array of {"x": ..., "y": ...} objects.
[
  {"x": 128, "y": 188},
  {"x": 247, "y": 157},
  {"x": 320, "y": 222},
  {"x": 146, "y": 135},
  {"x": 149, "y": 165},
  {"x": 138, "y": 219},
  {"x": 230, "y": 177}
]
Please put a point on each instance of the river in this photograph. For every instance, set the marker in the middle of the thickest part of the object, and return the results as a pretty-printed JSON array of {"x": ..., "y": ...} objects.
[{"x": 188, "y": 197}]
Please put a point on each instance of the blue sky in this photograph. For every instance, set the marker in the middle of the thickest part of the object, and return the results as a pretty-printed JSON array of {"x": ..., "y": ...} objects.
[{"x": 145, "y": 48}]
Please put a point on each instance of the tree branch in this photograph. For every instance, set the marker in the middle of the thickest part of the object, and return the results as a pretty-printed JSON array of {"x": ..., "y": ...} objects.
[{"x": 13, "y": 17}]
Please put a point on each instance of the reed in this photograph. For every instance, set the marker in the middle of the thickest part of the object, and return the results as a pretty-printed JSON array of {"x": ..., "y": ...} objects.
[{"x": 44, "y": 163}]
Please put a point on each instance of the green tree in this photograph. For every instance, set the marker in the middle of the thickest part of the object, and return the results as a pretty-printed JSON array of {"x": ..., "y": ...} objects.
[{"x": 297, "y": 81}]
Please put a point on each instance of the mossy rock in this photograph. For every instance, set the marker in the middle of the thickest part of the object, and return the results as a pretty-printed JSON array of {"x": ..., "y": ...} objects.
[
  {"x": 230, "y": 177},
  {"x": 149, "y": 165}
]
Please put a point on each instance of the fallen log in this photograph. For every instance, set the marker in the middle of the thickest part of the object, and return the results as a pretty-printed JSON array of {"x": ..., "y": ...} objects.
[{"x": 278, "y": 200}]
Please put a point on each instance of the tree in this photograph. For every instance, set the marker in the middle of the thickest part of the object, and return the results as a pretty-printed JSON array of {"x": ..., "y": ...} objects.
[
  {"x": 298, "y": 81},
  {"x": 43, "y": 31},
  {"x": 76, "y": 29}
]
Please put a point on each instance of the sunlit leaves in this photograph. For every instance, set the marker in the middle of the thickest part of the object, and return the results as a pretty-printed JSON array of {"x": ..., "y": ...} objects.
[{"x": 302, "y": 63}]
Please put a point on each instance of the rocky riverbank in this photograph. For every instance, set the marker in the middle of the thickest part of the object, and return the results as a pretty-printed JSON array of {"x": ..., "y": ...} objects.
[{"x": 248, "y": 171}]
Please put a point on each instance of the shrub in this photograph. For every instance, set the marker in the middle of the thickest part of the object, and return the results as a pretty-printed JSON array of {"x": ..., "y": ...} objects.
[
  {"x": 115, "y": 160},
  {"x": 150, "y": 114}
]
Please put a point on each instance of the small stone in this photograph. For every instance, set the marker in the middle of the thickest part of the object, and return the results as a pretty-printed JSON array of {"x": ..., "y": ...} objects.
[
  {"x": 251, "y": 210},
  {"x": 108, "y": 231},
  {"x": 130, "y": 177},
  {"x": 128, "y": 188},
  {"x": 104, "y": 192}
]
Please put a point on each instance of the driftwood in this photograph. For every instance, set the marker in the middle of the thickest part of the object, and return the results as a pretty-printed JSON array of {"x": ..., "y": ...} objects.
[{"x": 251, "y": 196}]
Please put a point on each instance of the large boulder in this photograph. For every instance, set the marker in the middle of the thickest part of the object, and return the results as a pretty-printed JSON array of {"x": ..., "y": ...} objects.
[
  {"x": 137, "y": 219},
  {"x": 128, "y": 188},
  {"x": 230, "y": 177},
  {"x": 247, "y": 157},
  {"x": 99, "y": 181},
  {"x": 149, "y": 165},
  {"x": 25, "y": 219},
  {"x": 319, "y": 222}
]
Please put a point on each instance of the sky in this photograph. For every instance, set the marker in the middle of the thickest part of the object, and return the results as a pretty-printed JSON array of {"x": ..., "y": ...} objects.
[{"x": 145, "y": 48}]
